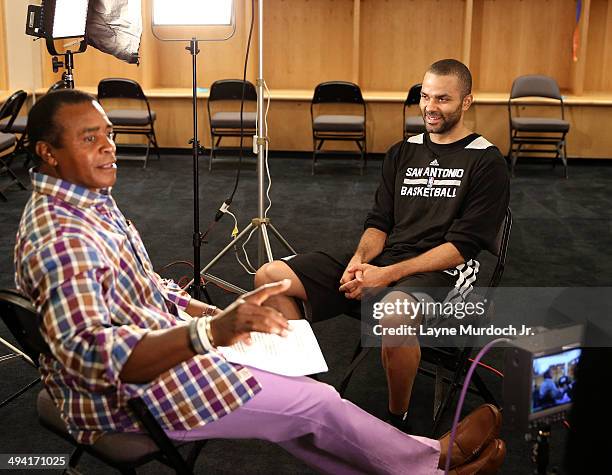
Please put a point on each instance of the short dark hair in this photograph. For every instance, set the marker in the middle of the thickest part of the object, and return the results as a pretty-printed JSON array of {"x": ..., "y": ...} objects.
[
  {"x": 447, "y": 67},
  {"x": 42, "y": 123}
]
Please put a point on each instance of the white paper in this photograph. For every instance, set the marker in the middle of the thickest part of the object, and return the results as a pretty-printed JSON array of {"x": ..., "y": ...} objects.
[{"x": 297, "y": 354}]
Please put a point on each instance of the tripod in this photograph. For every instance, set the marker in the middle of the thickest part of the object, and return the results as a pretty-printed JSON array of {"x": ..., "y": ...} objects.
[{"x": 261, "y": 223}]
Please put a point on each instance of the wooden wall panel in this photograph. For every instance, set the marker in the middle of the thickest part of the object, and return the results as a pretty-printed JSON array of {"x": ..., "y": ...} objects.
[
  {"x": 401, "y": 38},
  {"x": 511, "y": 38},
  {"x": 307, "y": 42},
  {"x": 3, "y": 46},
  {"x": 216, "y": 60},
  {"x": 599, "y": 53}
]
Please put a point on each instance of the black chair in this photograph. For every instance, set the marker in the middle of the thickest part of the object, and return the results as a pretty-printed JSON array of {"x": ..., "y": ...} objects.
[
  {"x": 224, "y": 112},
  {"x": 129, "y": 121},
  {"x": 10, "y": 120},
  {"x": 14, "y": 354},
  {"x": 547, "y": 134},
  {"x": 122, "y": 451},
  {"x": 338, "y": 126},
  {"x": 452, "y": 360},
  {"x": 10, "y": 123},
  {"x": 414, "y": 124}
]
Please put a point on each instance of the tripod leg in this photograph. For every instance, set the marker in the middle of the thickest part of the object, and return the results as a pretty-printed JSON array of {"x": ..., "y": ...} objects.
[
  {"x": 226, "y": 248},
  {"x": 282, "y": 240},
  {"x": 265, "y": 243},
  {"x": 223, "y": 284}
]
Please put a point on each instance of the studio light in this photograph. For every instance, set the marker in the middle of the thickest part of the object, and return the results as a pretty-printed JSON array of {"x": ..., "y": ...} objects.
[
  {"x": 192, "y": 12},
  {"x": 184, "y": 20},
  {"x": 55, "y": 19}
]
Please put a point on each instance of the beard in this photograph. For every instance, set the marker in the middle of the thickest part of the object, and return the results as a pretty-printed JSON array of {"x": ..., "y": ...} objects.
[{"x": 447, "y": 121}]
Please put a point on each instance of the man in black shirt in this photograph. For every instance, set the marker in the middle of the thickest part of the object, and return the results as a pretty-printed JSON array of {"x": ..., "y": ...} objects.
[{"x": 441, "y": 200}]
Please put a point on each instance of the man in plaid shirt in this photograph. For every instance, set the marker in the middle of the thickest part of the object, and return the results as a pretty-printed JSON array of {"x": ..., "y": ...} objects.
[{"x": 115, "y": 331}]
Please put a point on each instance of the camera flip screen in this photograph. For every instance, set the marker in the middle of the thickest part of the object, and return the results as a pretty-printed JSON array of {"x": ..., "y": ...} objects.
[{"x": 553, "y": 380}]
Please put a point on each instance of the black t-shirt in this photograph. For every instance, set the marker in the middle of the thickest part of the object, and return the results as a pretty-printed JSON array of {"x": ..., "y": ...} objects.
[{"x": 436, "y": 193}]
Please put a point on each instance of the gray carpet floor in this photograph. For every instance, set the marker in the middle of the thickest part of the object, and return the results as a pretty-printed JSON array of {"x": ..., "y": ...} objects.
[{"x": 561, "y": 228}]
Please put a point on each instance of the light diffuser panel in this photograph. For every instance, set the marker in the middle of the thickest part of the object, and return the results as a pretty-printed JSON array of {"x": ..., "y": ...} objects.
[
  {"x": 70, "y": 18},
  {"x": 192, "y": 12}
]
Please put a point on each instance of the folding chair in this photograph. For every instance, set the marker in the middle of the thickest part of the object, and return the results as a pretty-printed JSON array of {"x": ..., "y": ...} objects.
[
  {"x": 15, "y": 352},
  {"x": 414, "y": 124},
  {"x": 10, "y": 123},
  {"x": 130, "y": 121},
  {"x": 546, "y": 133},
  {"x": 453, "y": 360},
  {"x": 338, "y": 126},
  {"x": 224, "y": 112},
  {"x": 122, "y": 451},
  {"x": 10, "y": 120}
]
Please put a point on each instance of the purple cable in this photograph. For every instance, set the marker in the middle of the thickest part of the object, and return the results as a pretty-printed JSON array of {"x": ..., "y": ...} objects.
[{"x": 466, "y": 385}]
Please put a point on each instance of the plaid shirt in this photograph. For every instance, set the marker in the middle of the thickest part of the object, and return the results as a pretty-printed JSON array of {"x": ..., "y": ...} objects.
[{"x": 87, "y": 272}]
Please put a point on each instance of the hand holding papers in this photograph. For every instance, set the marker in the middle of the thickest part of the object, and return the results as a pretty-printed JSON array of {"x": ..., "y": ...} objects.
[{"x": 297, "y": 354}]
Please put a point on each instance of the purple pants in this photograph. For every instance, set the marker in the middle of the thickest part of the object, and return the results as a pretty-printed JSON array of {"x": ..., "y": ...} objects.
[{"x": 310, "y": 420}]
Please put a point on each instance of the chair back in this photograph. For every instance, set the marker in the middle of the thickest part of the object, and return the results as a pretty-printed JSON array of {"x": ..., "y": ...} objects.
[
  {"x": 414, "y": 96},
  {"x": 501, "y": 248},
  {"x": 535, "y": 85},
  {"x": 231, "y": 90},
  {"x": 337, "y": 92},
  {"x": 11, "y": 108},
  {"x": 120, "y": 88},
  {"x": 22, "y": 320},
  {"x": 57, "y": 86}
]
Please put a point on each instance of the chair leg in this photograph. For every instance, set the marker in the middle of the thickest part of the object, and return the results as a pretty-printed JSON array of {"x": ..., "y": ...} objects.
[
  {"x": 19, "y": 392},
  {"x": 362, "y": 157},
  {"x": 315, "y": 149},
  {"x": 155, "y": 143},
  {"x": 146, "y": 159},
  {"x": 11, "y": 174},
  {"x": 74, "y": 458},
  {"x": 360, "y": 354},
  {"x": 195, "y": 452},
  {"x": 515, "y": 158},
  {"x": 212, "y": 153},
  {"x": 564, "y": 157}
]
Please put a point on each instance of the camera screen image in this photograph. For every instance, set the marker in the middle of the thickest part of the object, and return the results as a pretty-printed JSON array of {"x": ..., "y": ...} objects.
[{"x": 553, "y": 379}]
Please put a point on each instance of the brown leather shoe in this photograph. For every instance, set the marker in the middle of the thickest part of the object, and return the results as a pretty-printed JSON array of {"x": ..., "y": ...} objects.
[
  {"x": 488, "y": 463},
  {"x": 473, "y": 433}
]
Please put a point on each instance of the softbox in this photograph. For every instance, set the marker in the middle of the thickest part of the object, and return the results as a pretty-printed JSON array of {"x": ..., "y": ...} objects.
[{"x": 115, "y": 27}]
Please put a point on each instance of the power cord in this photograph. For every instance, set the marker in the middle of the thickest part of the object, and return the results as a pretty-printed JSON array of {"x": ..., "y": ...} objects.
[
  {"x": 228, "y": 201},
  {"x": 466, "y": 385}
]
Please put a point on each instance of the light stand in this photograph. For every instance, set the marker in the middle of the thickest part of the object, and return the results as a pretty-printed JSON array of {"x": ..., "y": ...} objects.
[
  {"x": 195, "y": 287},
  {"x": 261, "y": 223},
  {"x": 68, "y": 63}
]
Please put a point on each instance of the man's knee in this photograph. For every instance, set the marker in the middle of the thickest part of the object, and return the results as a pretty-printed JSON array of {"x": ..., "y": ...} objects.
[
  {"x": 279, "y": 270},
  {"x": 402, "y": 356},
  {"x": 271, "y": 272}
]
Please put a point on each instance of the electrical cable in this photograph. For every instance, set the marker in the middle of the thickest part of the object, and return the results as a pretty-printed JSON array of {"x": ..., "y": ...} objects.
[
  {"x": 252, "y": 270},
  {"x": 466, "y": 385},
  {"x": 229, "y": 200},
  {"x": 266, "y": 153},
  {"x": 489, "y": 368},
  {"x": 246, "y": 256}
]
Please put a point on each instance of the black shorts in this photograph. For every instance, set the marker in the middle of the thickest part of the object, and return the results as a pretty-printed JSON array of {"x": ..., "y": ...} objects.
[{"x": 320, "y": 274}]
